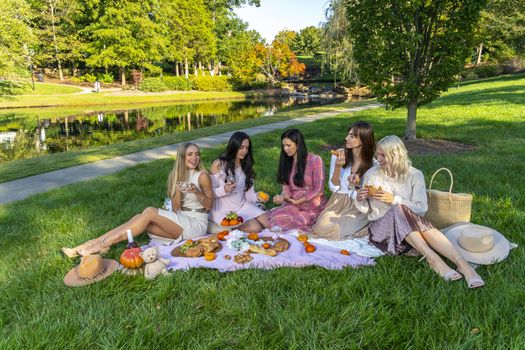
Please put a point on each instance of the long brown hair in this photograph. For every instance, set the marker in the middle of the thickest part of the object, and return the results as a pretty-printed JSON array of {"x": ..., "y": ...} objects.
[
  {"x": 364, "y": 131},
  {"x": 180, "y": 171}
]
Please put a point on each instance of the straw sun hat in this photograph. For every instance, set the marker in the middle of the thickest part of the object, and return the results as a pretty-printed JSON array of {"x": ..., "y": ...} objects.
[
  {"x": 478, "y": 244},
  {"x": 92, "y": 269}
]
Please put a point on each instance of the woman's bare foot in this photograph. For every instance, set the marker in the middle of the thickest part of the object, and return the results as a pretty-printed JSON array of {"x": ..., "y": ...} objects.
[
  {"x": 96, "y": 246},
  {"x": 70, "y": 252}
]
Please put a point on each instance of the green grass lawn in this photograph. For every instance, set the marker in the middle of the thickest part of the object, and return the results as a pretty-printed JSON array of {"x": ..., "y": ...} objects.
[
  {"x": 398, "y": 303},
  {"x": 26, "y": 167},
  {"x": 47, "y": 89}
]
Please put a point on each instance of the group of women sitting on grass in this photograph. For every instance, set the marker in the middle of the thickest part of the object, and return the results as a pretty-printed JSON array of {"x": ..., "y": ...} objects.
[{"x": 390, "y": 212}]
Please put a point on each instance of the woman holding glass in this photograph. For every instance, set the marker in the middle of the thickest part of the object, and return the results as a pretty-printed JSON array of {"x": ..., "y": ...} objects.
[
  {"x": 190, "y": 190},
  {"x": 233, "y": 185},
  {"x": 394, "y": 197},
  {"x": 302, "y": 177}
]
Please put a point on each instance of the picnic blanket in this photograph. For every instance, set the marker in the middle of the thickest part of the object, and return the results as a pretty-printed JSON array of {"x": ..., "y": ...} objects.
[{"x": 326, "y": 256}]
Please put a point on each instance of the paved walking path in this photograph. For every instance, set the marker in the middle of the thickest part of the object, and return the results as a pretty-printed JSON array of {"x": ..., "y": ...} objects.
[{"x": 23, "y": 188}]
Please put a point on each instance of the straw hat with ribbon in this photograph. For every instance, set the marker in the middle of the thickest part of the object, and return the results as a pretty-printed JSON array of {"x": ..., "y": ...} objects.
[
  {"x": 92, "y": 269},
  {"x": 478, "y": 244}
]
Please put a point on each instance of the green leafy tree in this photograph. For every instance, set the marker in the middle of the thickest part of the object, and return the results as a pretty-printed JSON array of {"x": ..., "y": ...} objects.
[
  {"x": 241, "y": 57},
  {"x": 125, "y": 34},
  {"x": 337, "y": 44},
  {"x": 286, "y": 37},
  {"x": 307, "y": 41},
  {"x": 15, "y": 36},
  {"x": 501, "y": 30},
  {"x": 409, "y": 51}
]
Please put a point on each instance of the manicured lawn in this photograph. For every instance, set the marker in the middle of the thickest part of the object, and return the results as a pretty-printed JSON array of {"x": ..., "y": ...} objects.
[
  {"x": 27, "y": 167},
  {"x": 46, "y": 89},
  {"x": 398, "y": 303}
]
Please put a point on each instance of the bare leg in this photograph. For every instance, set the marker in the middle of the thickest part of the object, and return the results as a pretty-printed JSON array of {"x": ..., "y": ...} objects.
[
  {"x": 256, "y": 224},
  {"x": 138, "y": 224},
  {"x": 416, "y": 240},
  {"x": 441, "y": 244}
]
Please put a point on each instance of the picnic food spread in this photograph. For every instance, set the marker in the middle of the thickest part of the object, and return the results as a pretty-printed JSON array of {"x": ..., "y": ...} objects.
[
  {"x": 232, "y": 219},
  {"x": 195, "y": 249}
]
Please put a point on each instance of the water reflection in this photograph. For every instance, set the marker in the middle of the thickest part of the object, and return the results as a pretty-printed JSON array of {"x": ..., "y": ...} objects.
[{"x": 21, "y": 136}]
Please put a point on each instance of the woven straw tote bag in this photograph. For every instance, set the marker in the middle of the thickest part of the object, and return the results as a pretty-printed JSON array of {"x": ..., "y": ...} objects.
[{"x": 447, "y": 208}]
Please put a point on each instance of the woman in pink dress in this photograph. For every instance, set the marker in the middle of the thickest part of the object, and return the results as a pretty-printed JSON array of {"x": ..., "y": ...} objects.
[
  {"x": 302, "y": 176},
  {"x": 233, "y": 185}
]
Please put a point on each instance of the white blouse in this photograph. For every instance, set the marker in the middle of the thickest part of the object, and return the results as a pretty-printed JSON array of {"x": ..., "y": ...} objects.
[
  {"x": 411, "y": 193},
  {"x": 343, "y": 179}
]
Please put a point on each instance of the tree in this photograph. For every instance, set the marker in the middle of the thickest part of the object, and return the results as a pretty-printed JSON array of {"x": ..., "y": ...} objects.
[
  {"x": 277, "y": 61},
  {"x": 307, "y": 41},
  {"x": 241, "y": 57},
  {"x": 501, "y": 30},
  {"x": 125, "y": 34},
  {"x": 286, "y": 36},
  {"x": 409, "y": 51},
  {"x": 337, "y": 44},
  {"x": 15, "y": 36}
]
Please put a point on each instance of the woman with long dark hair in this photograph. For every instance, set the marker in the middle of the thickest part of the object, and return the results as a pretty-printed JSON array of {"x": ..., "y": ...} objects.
[
  {"x": 340, "y": 218},
  {"x": 190, "y": 191},
  {"x": 395, "y": 199},
  {"x": 233, "y": 185},
  {"x": 302, "y": 177}
]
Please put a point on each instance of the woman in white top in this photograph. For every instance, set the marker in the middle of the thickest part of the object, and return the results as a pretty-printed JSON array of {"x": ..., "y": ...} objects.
[
  {"x": 341, "y": 219},
  {"x": 395, "y": 206},
  {"x": 190, "y": 190}
]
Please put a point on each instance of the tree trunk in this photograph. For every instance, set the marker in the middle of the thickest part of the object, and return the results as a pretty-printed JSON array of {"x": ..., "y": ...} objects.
[
  {"x": 186, "y": 70},
  {"x": 52, "y": 9},
  {"x": 480, "y": 51},
  {"x": 211, "y": 68},
  {"x": 410, "y": 132},
  {"x": 177, "y": 68},
  {"x": 219, "y": 68},
  {"x": 195, "y": 70},
  {"x": 122, "y": 76}
]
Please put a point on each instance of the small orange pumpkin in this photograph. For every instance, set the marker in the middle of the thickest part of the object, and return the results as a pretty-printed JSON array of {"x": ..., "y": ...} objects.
[
  {"x": 302, "y": 238},
  {"x": 221, "y": 236},
  {"x": 130, "y": 257},
  {"x": 345, "y": 252},
  {"x": 209, "y": 256},
  {"x": 254, "y": 236},
  {"x": 266, "y": 245},
  {"x": 310, "y": 248}
]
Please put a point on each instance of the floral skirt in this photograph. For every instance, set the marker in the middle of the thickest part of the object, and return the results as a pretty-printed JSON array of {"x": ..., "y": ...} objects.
[{"x": 389, "y": 232}]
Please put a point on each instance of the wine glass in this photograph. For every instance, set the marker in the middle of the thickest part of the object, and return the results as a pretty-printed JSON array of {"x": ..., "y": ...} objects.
[
  {"x": 183, "y": 186},
  {"x": 276, "y": 230},
  {"x": 231, "y": 179}
]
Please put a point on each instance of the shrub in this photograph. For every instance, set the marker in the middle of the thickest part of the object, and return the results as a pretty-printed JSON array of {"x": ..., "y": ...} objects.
[
  {"x": 178, "y": 83},
  {"x": 106, "y": 78},
  {"x": 88, "y": 78},
  {"x": 512, "y": 65},
  {"x": 209, "y": 83},
  {"x": 486, "y": 71},
  {"x": 153, "y": 85}
]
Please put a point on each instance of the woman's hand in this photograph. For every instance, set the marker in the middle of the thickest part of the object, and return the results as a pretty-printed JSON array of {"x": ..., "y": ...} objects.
[
  {"x": 340, "y": 159},
  {"x": 192, "y": 188},
  {"x": 384, "y": 196},
  {"x": 362, "y": 194},
  {"x": 229, "y": 187},
  {"x": 353, "y": 179},
  {"x": 278, "y": 199}
]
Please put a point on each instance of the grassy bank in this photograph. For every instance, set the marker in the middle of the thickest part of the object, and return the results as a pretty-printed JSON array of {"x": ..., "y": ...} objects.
[
  {"x": 27, "y": 167},
  {"x": 399, "y": 303},
  {"x": 115, "y": 98}
]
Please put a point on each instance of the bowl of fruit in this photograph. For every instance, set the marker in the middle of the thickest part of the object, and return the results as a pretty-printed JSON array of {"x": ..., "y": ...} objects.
[{"x": 232, "y": 219}]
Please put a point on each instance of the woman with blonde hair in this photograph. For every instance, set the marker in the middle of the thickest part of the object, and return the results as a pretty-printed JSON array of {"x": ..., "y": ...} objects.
[
  {"x": 190, "y": 191},
  {"x": 394, "y": 197}
]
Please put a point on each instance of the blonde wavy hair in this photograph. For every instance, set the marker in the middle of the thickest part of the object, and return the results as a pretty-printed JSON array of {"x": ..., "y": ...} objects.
[
  {"x": 180, "y": 172},
  {"x": 396, "y": 157}
]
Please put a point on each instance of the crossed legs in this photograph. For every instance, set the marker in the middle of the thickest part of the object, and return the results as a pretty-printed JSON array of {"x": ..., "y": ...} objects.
[
  {"x": 431, "y": 241},
  {"x": 149, "y": 220}
]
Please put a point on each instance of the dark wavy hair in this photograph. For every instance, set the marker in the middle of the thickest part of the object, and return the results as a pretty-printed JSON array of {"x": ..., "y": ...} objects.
[
  {"x": 368, "y": 145},
  {"x": 228, "y": 158},
  {"x": 286, "y": 163}
]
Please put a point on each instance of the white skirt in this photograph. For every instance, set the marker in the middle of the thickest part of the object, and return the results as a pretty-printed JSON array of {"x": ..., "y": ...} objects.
[{"x": 193, "y": 225}]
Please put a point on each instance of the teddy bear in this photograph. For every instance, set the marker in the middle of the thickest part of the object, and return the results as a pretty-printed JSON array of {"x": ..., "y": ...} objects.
[{"x": 154, "y": 265}]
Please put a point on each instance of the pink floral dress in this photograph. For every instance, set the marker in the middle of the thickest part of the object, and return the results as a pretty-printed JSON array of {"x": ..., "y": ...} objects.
[{"x": 289, "y": 216}]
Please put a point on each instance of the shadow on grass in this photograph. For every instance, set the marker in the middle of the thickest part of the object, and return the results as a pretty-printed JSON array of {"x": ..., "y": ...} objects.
[{"x": 510, "y": 94}]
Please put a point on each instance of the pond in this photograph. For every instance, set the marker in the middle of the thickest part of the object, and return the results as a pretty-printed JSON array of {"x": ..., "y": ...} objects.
[{"x": 25, "y": 133}]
